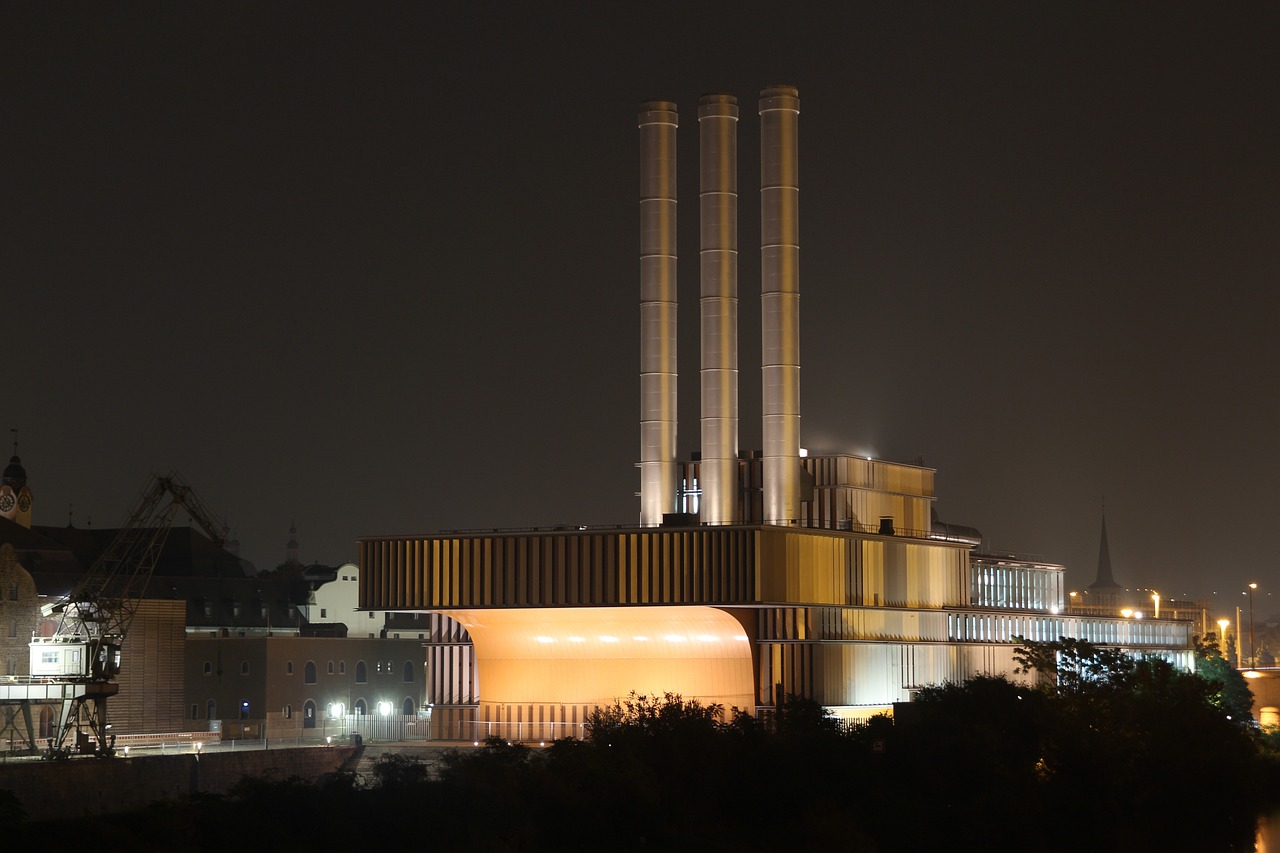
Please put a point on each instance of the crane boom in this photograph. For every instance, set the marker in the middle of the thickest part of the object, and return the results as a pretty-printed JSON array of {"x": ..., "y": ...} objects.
[{"x": 95, "y": 616}]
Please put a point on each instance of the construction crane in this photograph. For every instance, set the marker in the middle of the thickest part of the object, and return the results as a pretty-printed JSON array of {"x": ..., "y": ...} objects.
[{"x": 80, "y": 661}]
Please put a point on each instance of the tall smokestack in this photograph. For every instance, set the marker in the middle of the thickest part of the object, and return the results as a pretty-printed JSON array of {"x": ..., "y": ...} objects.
[
  {"x": 780, "y": 302},
  {"x": 718, "y": 126},
  {"x": 657, "y": 310}
]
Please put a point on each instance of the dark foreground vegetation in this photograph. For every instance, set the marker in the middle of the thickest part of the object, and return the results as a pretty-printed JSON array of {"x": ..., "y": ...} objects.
[{"x": 1108, "y": 753}]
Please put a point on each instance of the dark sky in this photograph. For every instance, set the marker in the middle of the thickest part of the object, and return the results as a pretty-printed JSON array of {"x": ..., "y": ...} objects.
[{"x": 373, "y": 267}]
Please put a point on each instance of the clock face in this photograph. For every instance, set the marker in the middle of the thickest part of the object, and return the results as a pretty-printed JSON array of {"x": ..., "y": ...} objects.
[
  {"x": 6, "y": 502},
  {"x": 24, "y": 502}
]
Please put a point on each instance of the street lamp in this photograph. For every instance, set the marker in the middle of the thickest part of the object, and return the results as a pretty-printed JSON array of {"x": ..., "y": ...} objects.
[
  {"x": 1253, "y": 661},
  {"x": 1222, "y": 635},
  {"x": 1155, "y": 596}
]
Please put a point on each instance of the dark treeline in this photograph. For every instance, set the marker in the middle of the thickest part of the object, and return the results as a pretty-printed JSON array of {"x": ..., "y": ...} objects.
[{"x": 1107, "y": 753}]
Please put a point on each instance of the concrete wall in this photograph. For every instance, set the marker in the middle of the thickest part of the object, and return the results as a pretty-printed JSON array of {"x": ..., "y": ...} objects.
[{"x": 48, "y": 790}]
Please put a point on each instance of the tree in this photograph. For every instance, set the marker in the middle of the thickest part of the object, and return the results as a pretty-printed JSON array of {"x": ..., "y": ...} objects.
[{"x": 1232, "y": 692}]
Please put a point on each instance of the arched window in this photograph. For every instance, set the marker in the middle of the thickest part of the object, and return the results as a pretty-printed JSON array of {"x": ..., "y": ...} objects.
[
  {"x": 331, "y": 667},
  {"x": 409, "y": 707},
  {"x": 208, "y": 668},
  {"x": 288, "y": 667},
  {"x": 309, "y": 672},
  {"x": 362, "y": 673},
  {"x": 244, "y": 667},
  {"x": 361, "y": 708},
  {"x": 309, "y": 714},
  {"x": 408, "y": 672},
  {"x": 288, "y": 712},
  {"x": 342, "y": 667}
]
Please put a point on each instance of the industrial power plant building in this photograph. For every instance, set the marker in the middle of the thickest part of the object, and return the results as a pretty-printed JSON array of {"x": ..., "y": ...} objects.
[{"x": 749, "y": 576}]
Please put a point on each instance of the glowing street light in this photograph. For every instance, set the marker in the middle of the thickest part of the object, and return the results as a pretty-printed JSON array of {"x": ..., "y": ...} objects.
[
  {"x": 1222, "y": 635},
  {"x": 1155, "y": 596},
  {"x": 1253, "y": 661}
]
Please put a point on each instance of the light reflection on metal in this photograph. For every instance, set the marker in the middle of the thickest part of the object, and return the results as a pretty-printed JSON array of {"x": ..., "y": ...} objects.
[
  {"x": 657, "y": 123},
  {"x": 718, "y": 201},
  {"x": 780, "y": 302}
]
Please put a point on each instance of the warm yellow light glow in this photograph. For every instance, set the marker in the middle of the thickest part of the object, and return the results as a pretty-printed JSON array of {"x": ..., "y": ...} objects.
[
  {"x": 599, "y": 654},
  {"x": 1252, "y": 674},
  {"x": 1126, "y": 613}
]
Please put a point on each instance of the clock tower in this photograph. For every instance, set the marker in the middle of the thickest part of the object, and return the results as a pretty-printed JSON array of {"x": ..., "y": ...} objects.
[{"x": 15, "y": 497}]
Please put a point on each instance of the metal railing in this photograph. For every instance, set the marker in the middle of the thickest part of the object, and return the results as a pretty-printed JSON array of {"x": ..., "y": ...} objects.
[{"x": 477, "y": 731}]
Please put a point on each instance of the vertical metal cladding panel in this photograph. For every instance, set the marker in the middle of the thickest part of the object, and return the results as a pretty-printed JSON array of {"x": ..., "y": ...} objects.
[
  {"x": 573, "y": 577},
  {"x": 657, "y": 122},
  {"x": 549, "y": 569},
  {"x": 399, "y": 572},
  {"x": 643, "y": 568},
  {"x": 780, "y": 302},
  {"x": 718, "y": 124}
]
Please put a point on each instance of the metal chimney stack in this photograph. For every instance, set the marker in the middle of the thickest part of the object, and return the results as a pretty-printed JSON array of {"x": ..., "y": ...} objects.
[
  {"x": 718, "y": 129},
  {"x": 780, "y": 302},
  {"x": 658, "y": 124}
]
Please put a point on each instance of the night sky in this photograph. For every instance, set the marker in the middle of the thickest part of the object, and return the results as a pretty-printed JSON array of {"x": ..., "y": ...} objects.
[{"x": 373, "y": 267}]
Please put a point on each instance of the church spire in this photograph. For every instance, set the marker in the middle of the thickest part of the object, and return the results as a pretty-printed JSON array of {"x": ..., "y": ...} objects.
[{"x": 1105, "y": 579}]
